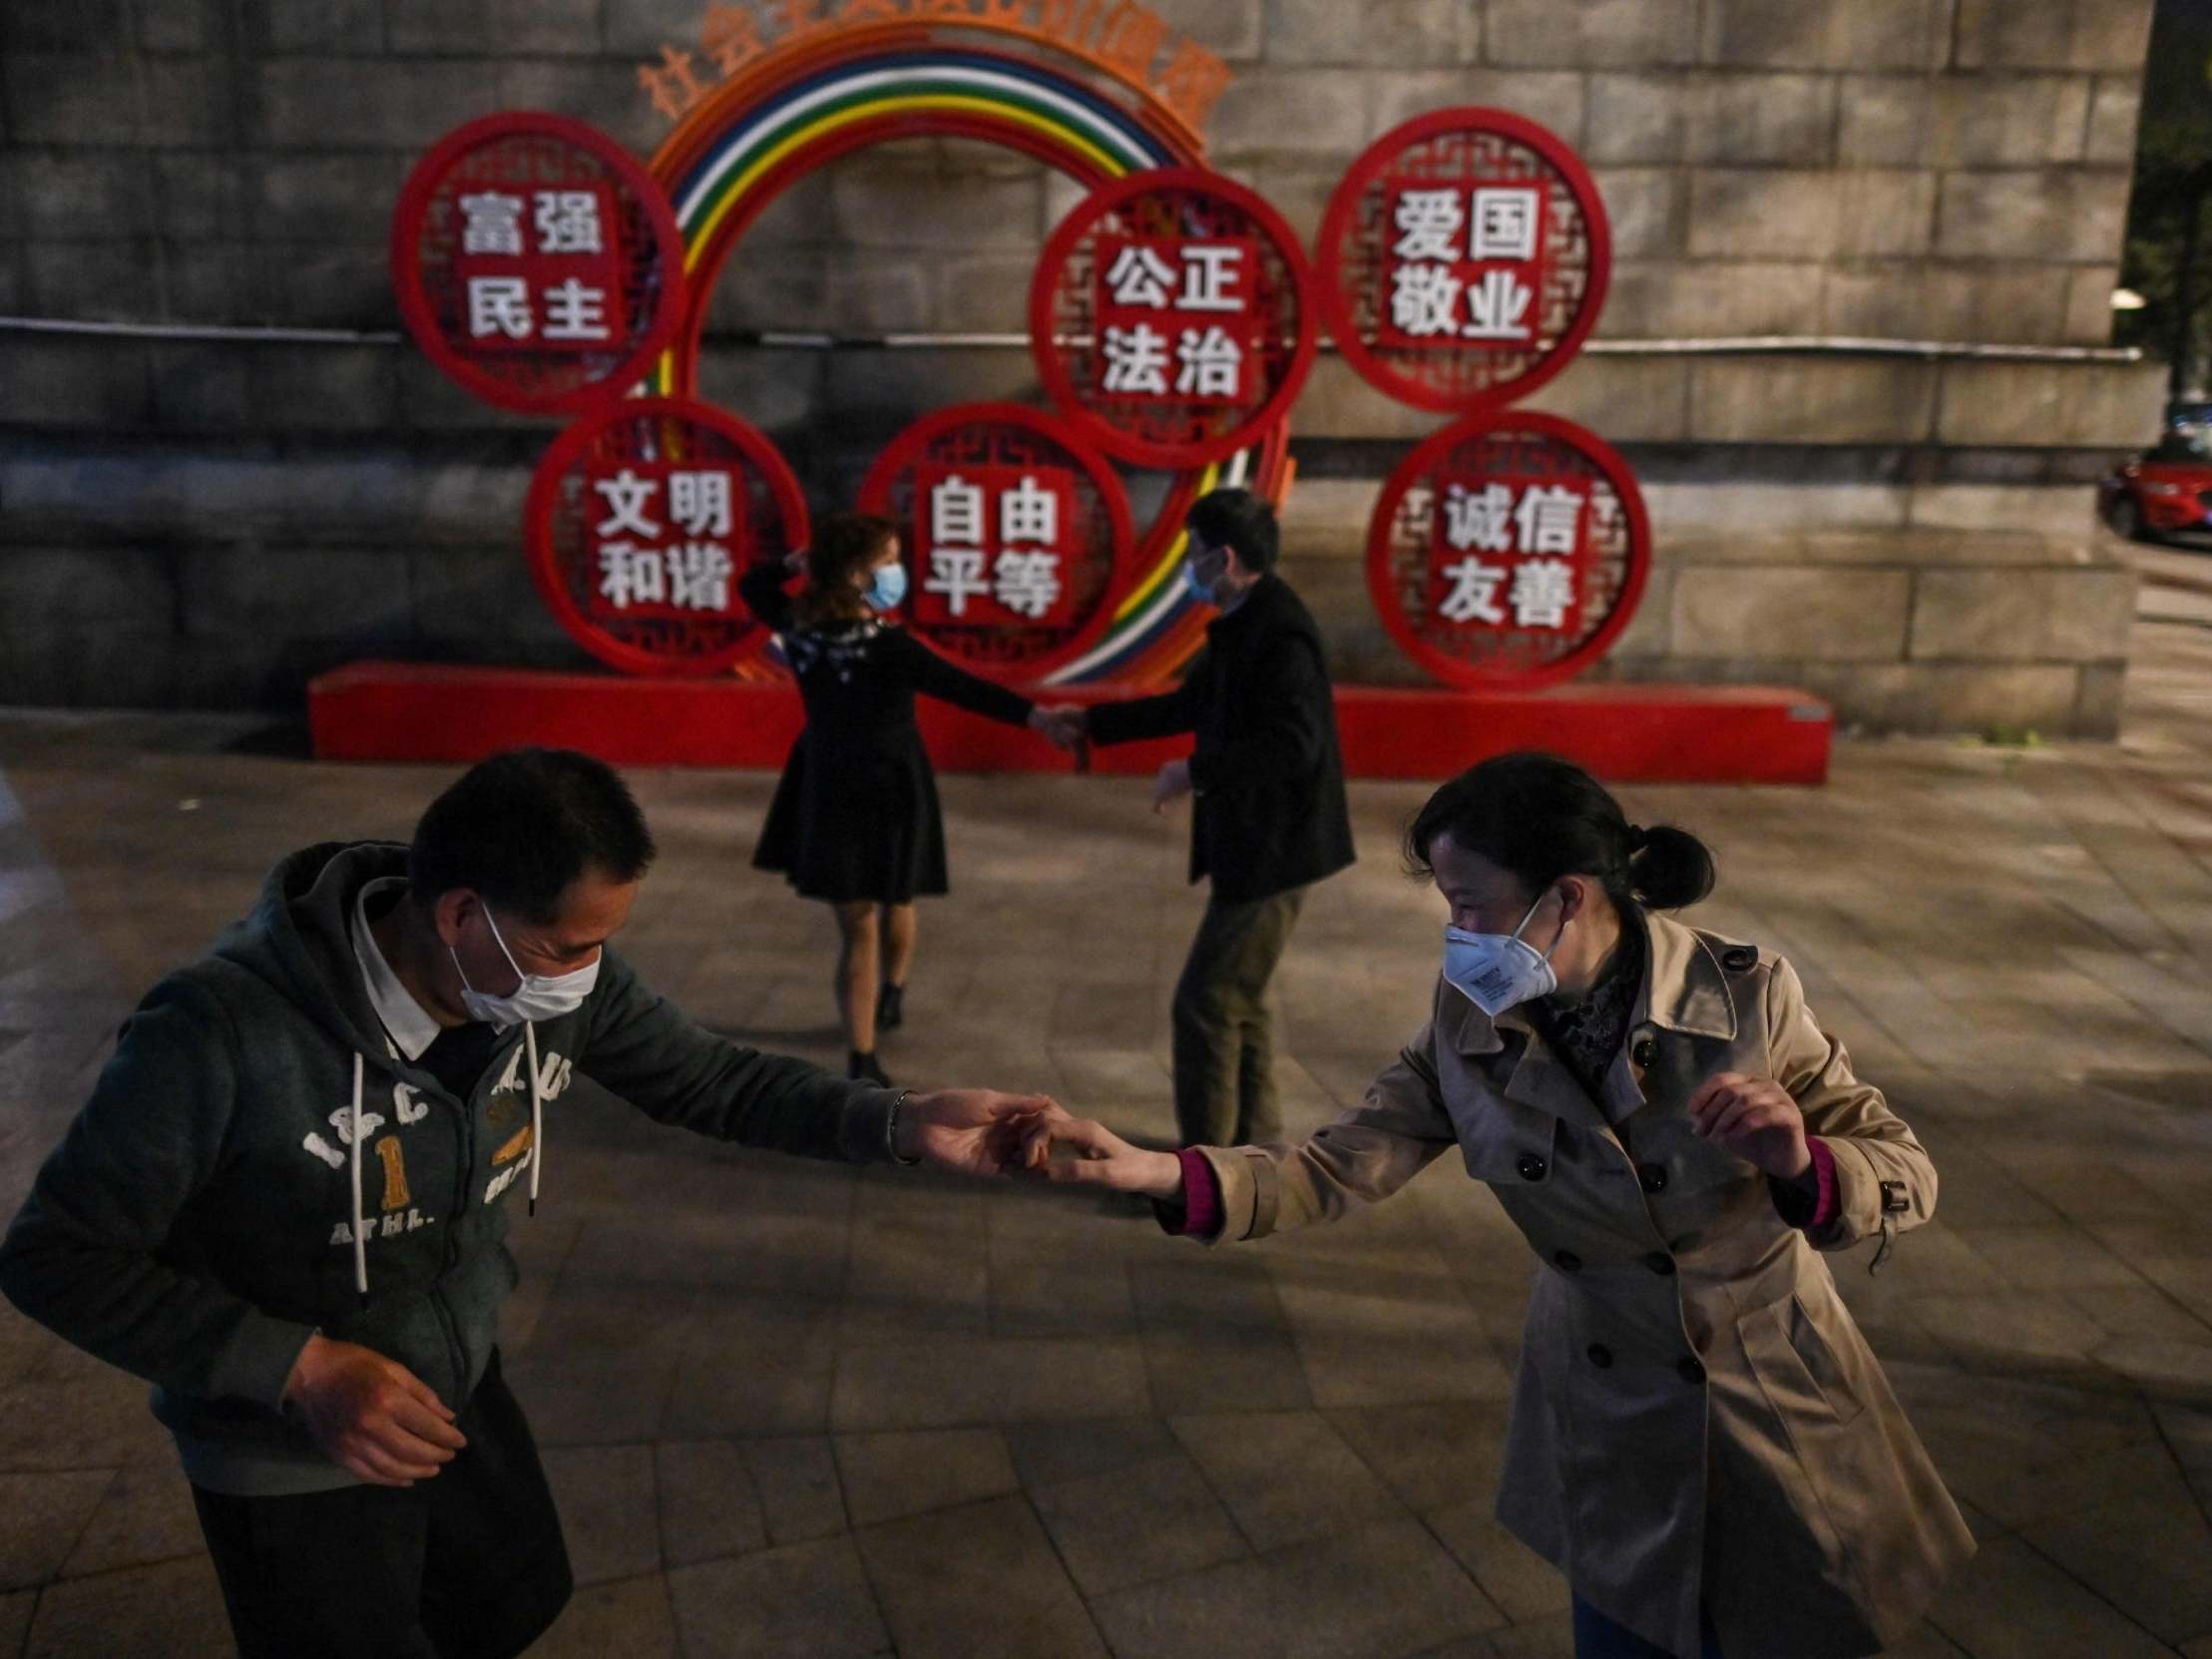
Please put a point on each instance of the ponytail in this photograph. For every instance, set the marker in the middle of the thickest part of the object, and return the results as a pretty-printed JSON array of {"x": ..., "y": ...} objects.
[
  {"x": 1668, "y": 868},
  {"x": 1541, "y": 818}
]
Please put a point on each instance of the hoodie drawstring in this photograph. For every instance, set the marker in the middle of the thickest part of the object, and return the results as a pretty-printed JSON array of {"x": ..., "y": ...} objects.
[
  {"x": 360, "y": 1242},
  {"x": 537, "y": 1111}
]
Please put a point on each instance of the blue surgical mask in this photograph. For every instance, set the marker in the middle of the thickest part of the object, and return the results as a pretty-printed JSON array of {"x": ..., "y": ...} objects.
[
  {"x": 887, "y": 592},
  {"x": 1497, "y": 971},
  {"x": 1202, "y": 589}
]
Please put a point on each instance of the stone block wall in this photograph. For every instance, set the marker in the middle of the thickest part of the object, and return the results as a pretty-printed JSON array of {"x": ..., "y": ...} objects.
[
  {"x": 247, "y": 513},
  {"x": 1927, "y": 168},
  {"x": 2019, "y": 619}
]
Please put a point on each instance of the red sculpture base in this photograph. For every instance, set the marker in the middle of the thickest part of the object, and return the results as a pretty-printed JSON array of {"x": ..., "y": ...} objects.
[{"x": 1627, "y": 733}]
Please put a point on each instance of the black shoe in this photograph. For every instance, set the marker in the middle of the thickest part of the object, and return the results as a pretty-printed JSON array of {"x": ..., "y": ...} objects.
[
  {"x": 865, "y": 1068},
  {"x": 890, "y": 1007}
]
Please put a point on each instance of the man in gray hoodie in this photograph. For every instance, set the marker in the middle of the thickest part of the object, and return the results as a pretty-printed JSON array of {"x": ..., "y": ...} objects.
[{"x": 285, "y": 1202}]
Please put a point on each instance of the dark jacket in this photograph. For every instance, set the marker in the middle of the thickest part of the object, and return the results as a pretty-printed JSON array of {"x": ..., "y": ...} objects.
[
  {"x": 195, "y": 1224},
  {"x": 1267, "y": 773}
]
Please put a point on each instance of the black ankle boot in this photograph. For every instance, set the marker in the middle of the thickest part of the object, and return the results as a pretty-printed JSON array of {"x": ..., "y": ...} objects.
[
  {"x": 890, "y": 1007},
  {"x": 865, "y": 1068}
]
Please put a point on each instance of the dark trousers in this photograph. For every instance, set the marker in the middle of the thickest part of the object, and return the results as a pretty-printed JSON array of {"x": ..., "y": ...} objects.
[
  {"x": 1598, "y": 1637},
  {"x": 468, "y": 1564},
  {"x": 1224, "y": 1026}
]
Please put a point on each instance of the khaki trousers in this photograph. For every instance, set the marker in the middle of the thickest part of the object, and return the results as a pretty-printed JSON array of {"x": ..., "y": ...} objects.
[{"x": 1223, "y": 1024}]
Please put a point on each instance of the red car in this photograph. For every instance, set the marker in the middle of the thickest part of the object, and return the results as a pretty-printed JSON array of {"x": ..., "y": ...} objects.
[{"x": 2169, "y": 489}]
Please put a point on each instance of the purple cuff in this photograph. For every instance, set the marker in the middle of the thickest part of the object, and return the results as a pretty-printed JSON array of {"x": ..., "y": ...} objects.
[
  {"x": 1824, "y": 1172},
  {"x": 1200, "y": 1214}
]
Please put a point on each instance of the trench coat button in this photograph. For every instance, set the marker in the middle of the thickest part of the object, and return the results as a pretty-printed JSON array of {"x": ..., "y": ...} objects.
[
  {"x": 1601, "y": 1355},
  {"x": 1692, "y": 1372},
  {"x": 1568, "y": 1261},
  {"x": 1660, "y": 1262},
  {"x": 1531, "y": 1167},
  {"x": 1652, "y": 1175},
  {"x": 1741, "y": 959},
  {"x": 1643, "y": 1051}
]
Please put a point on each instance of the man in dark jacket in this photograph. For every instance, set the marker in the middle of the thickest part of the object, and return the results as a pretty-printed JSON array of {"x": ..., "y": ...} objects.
[
  {"x": 285, "y": 1202},
  {"x": 1268, "y": 819}
]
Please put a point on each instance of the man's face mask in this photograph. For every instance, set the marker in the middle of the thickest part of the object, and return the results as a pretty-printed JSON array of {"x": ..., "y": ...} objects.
[
  {"x": 1202, "y": 570},
  {"x": 537, "y": 996},
  {"x": 1497, "y": 971}
]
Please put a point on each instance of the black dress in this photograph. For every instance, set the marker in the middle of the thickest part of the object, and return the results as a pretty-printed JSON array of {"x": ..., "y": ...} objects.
[{"x": 856, "y": 815}]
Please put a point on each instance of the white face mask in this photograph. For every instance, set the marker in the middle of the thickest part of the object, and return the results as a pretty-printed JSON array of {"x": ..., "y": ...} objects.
[
  {"x": 1497, "y": 971},
  {"x": 539, "y": 997}
]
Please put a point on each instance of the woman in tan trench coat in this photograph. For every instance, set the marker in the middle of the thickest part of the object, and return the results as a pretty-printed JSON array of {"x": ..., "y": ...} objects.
[{"x": 1700, "y": 1439}]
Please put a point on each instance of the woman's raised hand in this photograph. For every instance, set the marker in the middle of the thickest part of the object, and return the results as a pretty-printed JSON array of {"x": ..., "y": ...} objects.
[
  {"x": 1054, "y": 1145},
  {"x": 1755, "y": 1119}
]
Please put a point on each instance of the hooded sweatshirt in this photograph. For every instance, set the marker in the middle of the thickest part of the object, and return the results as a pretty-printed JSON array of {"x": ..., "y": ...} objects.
[{"x": 257, "y": 1162}]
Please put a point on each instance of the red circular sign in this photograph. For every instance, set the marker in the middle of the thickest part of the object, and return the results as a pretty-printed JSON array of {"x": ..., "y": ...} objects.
[
  {"x": 537, "y": 262},
  {"x": 1171, "y": 317},
  {"x": 639, "y": 522},
  {"x": 1016, "y": 537},
  {"x": 1464, "y": 259},
  {"x": 1509, "y": 551}
]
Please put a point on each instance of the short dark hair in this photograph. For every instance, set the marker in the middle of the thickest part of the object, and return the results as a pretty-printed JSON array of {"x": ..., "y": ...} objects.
[
  {"x": 1240, "y": 519},
  {"x": 521, "y": 826},
  {"x": 1539, "y": 818}
]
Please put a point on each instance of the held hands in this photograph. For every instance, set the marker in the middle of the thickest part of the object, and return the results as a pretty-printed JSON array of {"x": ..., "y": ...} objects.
[
  {"x": 1064, "y": 726},
  {"x": 1094, "y": 1155},
  {"x": 371, "y": 1416},
  {"x": 970, "y": 1131},
  {"x": 1755, "y": 1119}
]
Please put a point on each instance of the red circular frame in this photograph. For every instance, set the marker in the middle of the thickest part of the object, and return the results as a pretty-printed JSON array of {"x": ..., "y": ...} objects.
[
  {"x": 1052, "y": 365},
  {"x": 1344, "y": 201},
  {"x": 1432, "y": 452},
  {"x": 913, "y": 445},
  {"x": 572, "y": 446},
  {"x": 429, "y": 177}
]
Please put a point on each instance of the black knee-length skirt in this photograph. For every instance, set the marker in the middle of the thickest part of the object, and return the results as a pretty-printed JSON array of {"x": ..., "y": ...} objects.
[{"x": 849, "y": 824}]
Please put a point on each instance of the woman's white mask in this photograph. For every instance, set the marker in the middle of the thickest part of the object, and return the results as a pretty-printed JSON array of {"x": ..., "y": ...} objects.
[{"x": 1497, "y": 971}]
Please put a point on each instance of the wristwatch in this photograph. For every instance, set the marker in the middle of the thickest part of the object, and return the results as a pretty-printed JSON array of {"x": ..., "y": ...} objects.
[{"x": 891, "y": 1133}]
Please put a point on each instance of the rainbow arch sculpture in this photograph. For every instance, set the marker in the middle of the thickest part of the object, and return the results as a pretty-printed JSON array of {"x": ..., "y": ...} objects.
[{"x": 797, "y": 109}]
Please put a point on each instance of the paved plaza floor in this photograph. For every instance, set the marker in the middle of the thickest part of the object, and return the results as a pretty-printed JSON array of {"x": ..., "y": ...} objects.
[{"x": 796, "y": 1409}]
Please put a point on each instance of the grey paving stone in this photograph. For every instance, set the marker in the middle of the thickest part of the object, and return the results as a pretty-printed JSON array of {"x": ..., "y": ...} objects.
[
  {"x": 1433, "y": 1454},
  {"x": 797, "y": 1602},
  {"x": 145, "y": 1515},
  {"x": 994, "y": 1379},
  {"x": 978, "y": 1582},
  {"x": 1129, "y": 1527},
  {"x": 629, "y": 1616},
  {"x": 41, "y": 1517},
  {"x": 2145, "y": 1553},
  {"x": 887, "y": 1477},
  {"x": 708, "y": 1507},
  {"x": 1286, "y": 1475},
  {"x": 171, "y": 1611},
  {"x": 1512, "y": 1574},
  {"x": 1386, "y": 1590},
  {"x": 797, "y": 1477},
  {"x": 79, "y": 1425},
  {"x": 2008, "y": 1600},
  {"x": 608, "y": 1509}
]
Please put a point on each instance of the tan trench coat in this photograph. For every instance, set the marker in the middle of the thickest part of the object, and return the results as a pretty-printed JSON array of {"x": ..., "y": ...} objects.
[{"x": 1696, "y": 1415}]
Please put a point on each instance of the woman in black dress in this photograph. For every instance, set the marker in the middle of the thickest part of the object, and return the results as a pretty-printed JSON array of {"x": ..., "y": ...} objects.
[{"x": 855, "y": 821}]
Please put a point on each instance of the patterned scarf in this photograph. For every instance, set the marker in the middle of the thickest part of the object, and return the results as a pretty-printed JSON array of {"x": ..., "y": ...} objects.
[{"x": 1586, "y": 1035}]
